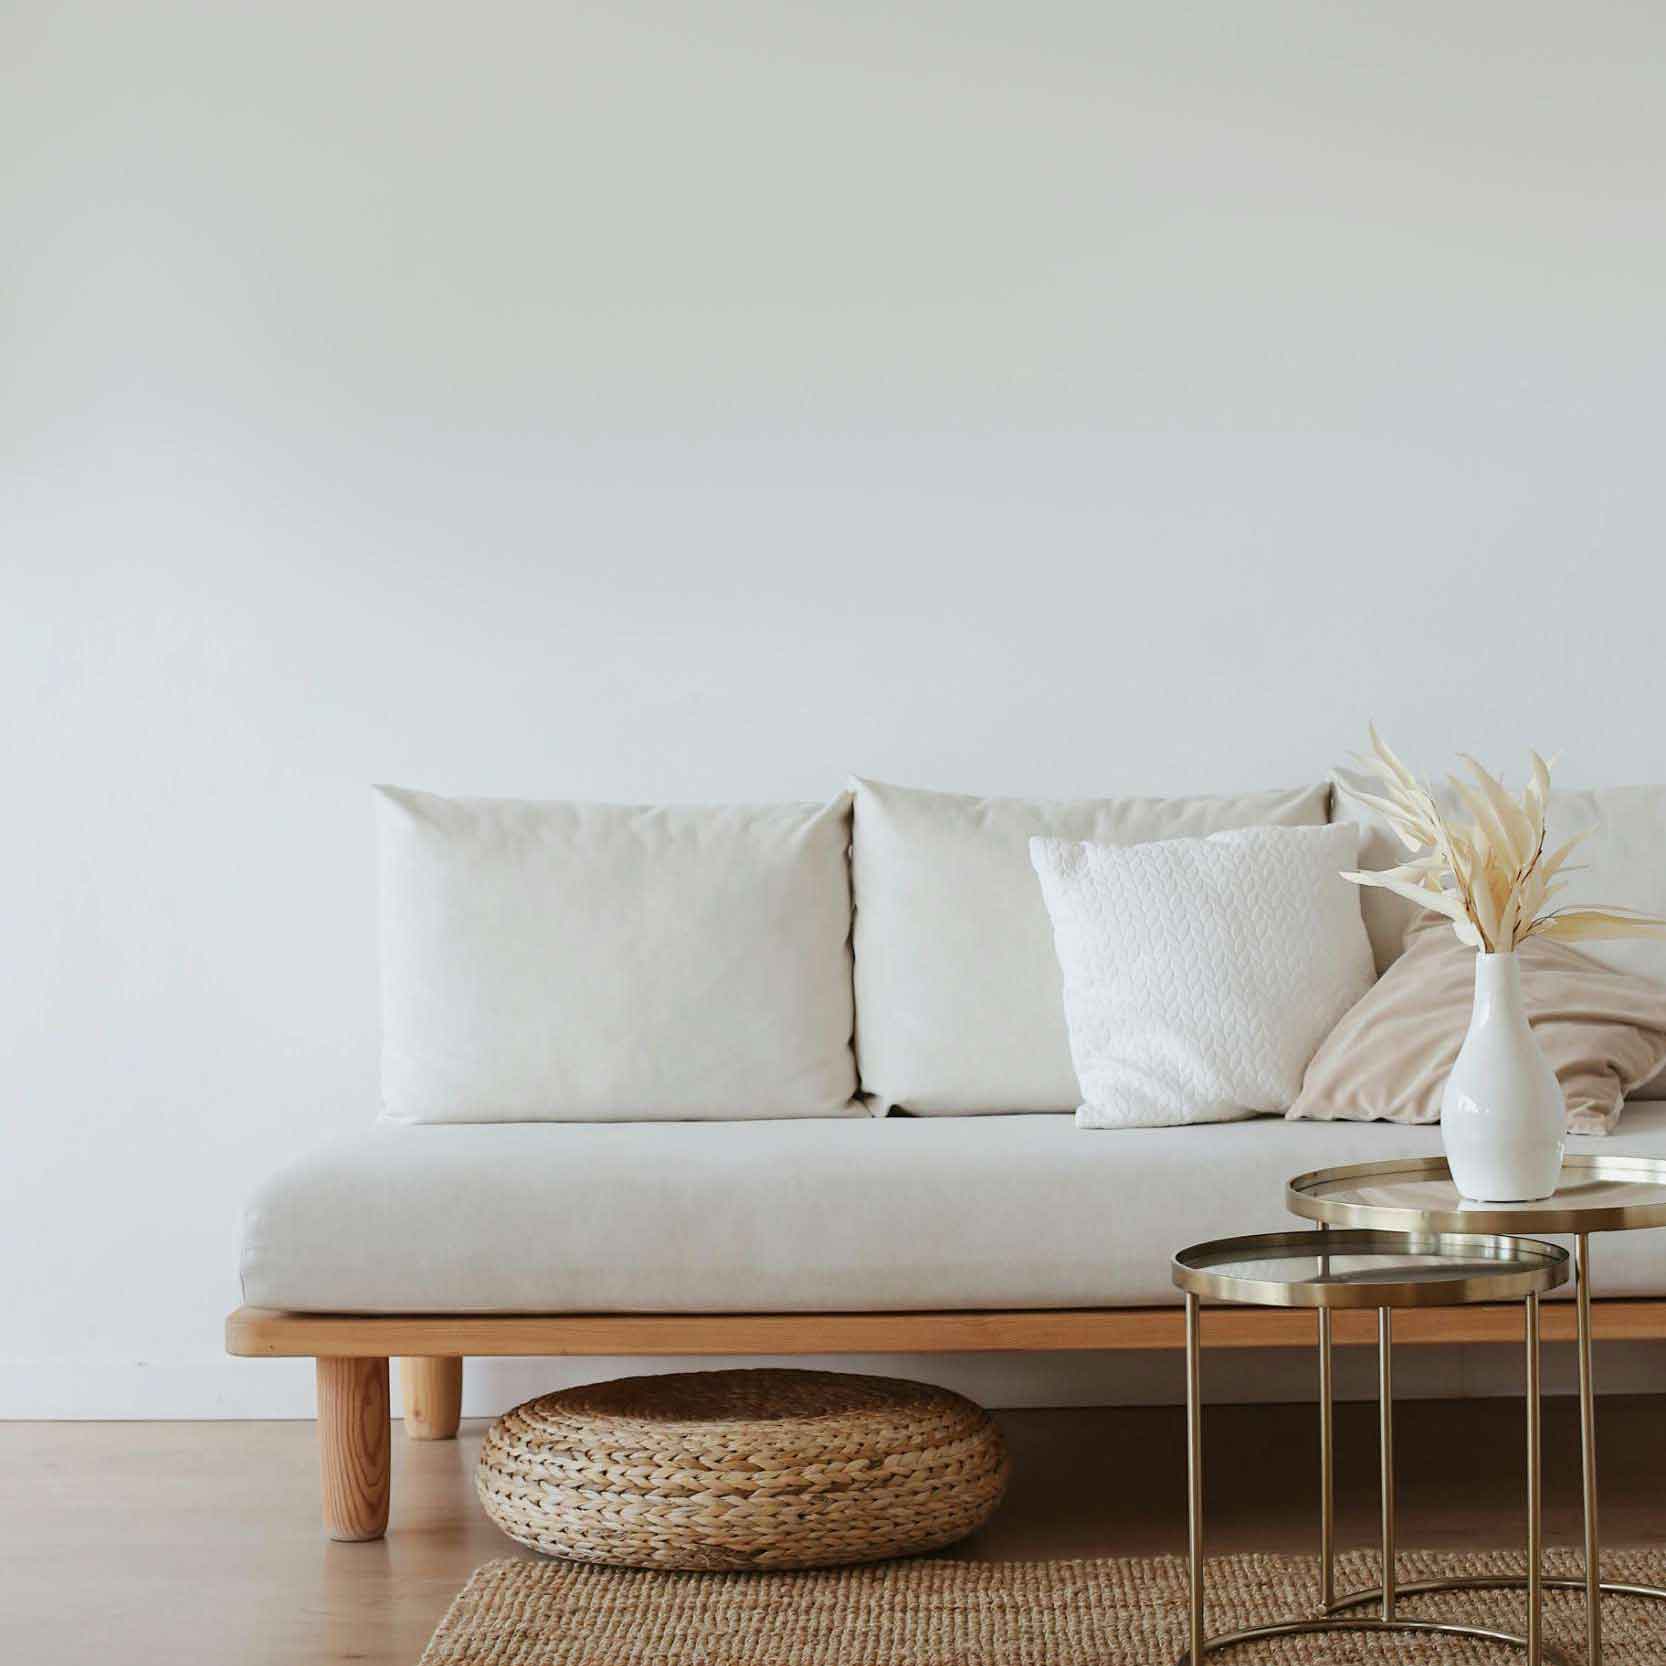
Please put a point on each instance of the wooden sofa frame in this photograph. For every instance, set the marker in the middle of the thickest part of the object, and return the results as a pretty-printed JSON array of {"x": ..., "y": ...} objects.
[{"x": 352, "y": 1354}]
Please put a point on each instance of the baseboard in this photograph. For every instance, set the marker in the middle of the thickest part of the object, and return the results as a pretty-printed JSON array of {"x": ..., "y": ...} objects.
[
  {"x": 176, "y": 1389},
  {"x": 283, "y": 1388}
]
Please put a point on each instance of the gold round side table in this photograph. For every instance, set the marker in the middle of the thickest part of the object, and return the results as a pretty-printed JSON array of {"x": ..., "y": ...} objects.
[
  {"x": 1597, "y": 1193},
  {"x": 1363, "y": 1268}
]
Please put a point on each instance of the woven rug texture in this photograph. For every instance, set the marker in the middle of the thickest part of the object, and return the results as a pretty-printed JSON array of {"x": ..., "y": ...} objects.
[{"x": 935, "y": 1612}]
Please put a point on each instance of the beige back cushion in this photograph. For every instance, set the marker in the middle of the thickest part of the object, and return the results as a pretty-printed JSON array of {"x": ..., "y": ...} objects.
[
  {"x": 560, "y": 962},
  {"x": 959, "y": 1001}
]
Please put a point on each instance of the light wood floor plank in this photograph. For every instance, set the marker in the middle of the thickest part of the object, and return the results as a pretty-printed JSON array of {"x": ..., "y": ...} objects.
[{"x": 170, "y": 1544}]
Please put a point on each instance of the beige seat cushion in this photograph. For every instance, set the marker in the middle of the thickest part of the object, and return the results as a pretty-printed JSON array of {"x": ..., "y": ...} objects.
[
  {"x": 1604, "y": 1033},
  {"x": 805, "y": 1215}
]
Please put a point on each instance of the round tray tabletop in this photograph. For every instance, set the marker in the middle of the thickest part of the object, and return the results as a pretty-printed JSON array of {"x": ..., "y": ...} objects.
[
  {"x": 1369, "y": 1269},
  {"x": 1416, "y": 1194}
]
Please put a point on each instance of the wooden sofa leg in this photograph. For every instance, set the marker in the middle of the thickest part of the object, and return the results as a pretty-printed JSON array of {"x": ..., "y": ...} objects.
[
  {"x": 355, "y": 1446},
  {"x": 432, "y": 1389}
]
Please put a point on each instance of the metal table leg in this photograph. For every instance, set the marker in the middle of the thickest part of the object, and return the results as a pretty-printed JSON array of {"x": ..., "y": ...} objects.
[
  {"x": 1588, "y": 1453},
  {"x": 1327, "y": 1467},
  {"x": 1535, "y": 1489},
  {"x": 1385, "y": 1438},
  {"x": 1194, "y": 1474},
  {"x": 1199, "y": 1643},
  {"x": 1594, "y": 1586}
]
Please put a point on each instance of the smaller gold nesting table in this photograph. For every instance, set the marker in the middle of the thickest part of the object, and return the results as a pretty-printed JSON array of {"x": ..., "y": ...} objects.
[
  {"x": 1364, "y": 1268},
  {"x": 1596, "y": 1193}
]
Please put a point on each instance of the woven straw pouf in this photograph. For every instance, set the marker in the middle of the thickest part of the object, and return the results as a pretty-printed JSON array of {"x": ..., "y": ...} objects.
[{"x": 742, "y": 1469}]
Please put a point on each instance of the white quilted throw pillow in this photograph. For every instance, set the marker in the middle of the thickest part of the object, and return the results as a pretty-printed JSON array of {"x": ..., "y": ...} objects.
[{"x": 1200, "y": 975}]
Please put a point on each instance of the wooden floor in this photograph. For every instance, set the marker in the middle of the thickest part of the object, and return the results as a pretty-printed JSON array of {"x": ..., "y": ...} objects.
[{"x": 123, "y": 1544}]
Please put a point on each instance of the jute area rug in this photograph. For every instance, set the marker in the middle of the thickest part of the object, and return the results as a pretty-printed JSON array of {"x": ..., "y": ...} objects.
[{"x": 943, "y": 1613}]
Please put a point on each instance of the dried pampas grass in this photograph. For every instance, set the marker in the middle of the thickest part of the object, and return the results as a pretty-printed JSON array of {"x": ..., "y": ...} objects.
[{"x": 1490, "y": 876}]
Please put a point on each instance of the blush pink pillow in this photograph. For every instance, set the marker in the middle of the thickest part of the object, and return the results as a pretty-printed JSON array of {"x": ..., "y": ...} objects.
[{"x": 1604, "y": 1033}]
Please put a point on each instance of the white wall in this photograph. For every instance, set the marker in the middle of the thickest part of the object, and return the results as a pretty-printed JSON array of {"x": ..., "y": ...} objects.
[{"x": 651, "y": 401}]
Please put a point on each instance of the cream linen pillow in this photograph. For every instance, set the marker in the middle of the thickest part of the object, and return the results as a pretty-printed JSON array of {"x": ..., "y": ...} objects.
[
  {"x": 1200, "y": 974},
  {"x": 958, "y": 1002},
  {"x": 554, "y": 962},
  {"x": 1603, "y": 1031}
]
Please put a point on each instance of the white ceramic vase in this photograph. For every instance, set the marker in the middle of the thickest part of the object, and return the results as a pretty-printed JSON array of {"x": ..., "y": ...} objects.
[{"x": 1502, "y": 1118}]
